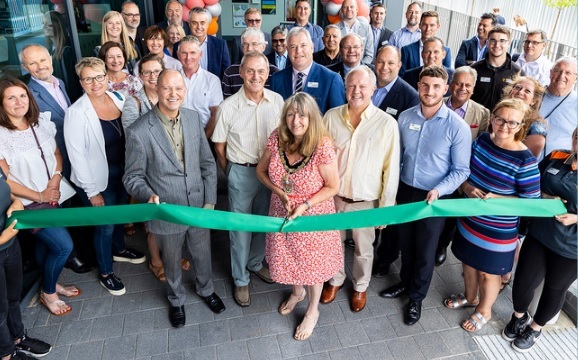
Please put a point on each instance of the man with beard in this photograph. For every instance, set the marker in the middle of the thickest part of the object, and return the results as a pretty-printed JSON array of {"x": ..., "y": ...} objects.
[
  {"x": 131, "y": 16},
  {"x": 474, "y": 49},
  {"x": 411, "y": 32}
]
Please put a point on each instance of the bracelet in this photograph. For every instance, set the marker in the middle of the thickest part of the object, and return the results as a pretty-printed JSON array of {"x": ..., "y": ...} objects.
[
  {"x": 40, "y": 197},
  {"x": 307, "y": 204}
]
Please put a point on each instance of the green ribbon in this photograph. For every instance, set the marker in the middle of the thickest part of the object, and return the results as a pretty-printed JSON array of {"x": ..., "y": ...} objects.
[{"x": 223, "y": 220}]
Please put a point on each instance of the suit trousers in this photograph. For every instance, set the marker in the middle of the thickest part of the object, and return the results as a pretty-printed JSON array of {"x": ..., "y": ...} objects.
[
  {"x": 247, "y": 195},
  {"x": 363, "y": 253},
  {"x": 199, "y": 244},
  {"x": 419, "y": 241},
  {"x": 11, "y": 326}
]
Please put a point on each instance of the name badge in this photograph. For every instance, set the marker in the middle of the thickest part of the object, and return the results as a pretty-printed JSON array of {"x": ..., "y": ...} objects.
[
  {"x": 312, "y": 84},
  {"x": 385, "y": 42},
  {"x": 415, "y": 127},
  {"x": 391, "y": 111},
  {"x": 553, "y": 171},
  {"x": 485, "y": 79}
]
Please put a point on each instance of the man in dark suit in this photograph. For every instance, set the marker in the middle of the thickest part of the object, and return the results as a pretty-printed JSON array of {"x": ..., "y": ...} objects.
[
  {"x": 411, "y": 54},
  {"x": 473, "y": 49},
  {"x": 351, "y": 49},
  {"x": 324, "y": 85},
  {"x": 174, "y": 14},
  {"x": 131, "y": 16},
  {"x": 159, "y": 169},
  {"x": 432, "y": 54},
  {"x": 381, "y": 34},
  {"x": 393, "y": 95},
  {"x": 279, "y": 56},
  {"x": 253, "y": 19},
  {"x": 215, "y": 52}
]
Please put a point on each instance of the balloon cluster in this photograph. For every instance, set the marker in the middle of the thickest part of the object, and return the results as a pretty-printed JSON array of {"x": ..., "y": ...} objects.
[
  {"x": 212, "y": 7},
  {"x": 332, "y": 8}
]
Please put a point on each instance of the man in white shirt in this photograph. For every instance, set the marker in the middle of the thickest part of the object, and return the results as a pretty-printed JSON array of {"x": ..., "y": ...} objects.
[
  {"x": 532, "y": 61},
  {"x": 350, "y": 23},
  {"x": 368, "y": 155},
  {"x": 203, "y": 88},
  {"x": 244, "y": 122}
]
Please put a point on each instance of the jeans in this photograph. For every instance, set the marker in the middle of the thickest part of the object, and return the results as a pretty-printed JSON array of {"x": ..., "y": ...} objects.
[
  {"x": 51, "y": 254},
  {"x": 11, "y": 326},
  {"x": 109, "y": 239}
]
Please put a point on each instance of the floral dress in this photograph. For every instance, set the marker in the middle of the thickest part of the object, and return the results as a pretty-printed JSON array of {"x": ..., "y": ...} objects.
[{"x": 305, "y": 258}]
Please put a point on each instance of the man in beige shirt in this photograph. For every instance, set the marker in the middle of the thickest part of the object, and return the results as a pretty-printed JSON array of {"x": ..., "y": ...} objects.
[
  {"x": 368, "y": 154},
  {"x": 244, "y": 122}
]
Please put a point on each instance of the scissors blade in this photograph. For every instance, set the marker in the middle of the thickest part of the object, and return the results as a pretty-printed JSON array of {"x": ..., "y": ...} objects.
[{"x": 284, "y": 222}]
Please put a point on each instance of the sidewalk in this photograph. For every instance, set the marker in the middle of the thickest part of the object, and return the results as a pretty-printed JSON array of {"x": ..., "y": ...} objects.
[{"x": 136, "y": 325}]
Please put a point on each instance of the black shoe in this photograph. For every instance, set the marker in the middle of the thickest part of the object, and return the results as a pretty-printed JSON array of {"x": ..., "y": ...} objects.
[
  {"x": 412, "y": 312},
  {"x": 349, "y": 243},
  {"x": 20, "y": 356},
  {"x": 32, "y": 347},
  {"x": 130, "y": 256},
  {"x": 526, "y": 340},
  {"x": 516, "y": 326},
  {"x": 215, "y": 303},
  {"x": 112, "y": 284},
  {"x": 380, "y": 270},
  {"x": 441, "y": 255},
  {"x": 76, "y": 265},
  {"x": 177, "y": 316},
  {"x": 394, "y": 291}
]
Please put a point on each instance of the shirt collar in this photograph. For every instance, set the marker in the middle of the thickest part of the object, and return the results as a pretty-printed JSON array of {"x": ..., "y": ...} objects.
[
  {"x": 164, "y": 118},
  {"x": 304, "y": 71},
  {"x": 464, "y": 107}
]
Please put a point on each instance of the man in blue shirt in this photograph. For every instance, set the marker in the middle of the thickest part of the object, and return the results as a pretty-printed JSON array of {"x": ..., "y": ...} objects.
[
  {"x": 302, "y": 15},
  {"x": 435, "y": 152},
  {"x": 411, "y": 32}
]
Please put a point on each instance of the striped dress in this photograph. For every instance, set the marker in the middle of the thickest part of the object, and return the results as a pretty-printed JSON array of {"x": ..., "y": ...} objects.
[{"x": 488, "y": 243}]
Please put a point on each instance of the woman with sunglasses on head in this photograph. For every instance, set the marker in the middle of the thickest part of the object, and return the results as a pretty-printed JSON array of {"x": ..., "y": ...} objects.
[
  {"x": 501, "y": 166},
  {"x": 114, "y": 29},
  {"x": 95, "y": 141}
]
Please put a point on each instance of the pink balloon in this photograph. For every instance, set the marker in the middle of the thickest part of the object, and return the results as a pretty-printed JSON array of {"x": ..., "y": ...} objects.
[
  {"x": 186, "y": 13},
  {"x": 338, "y": 2},
  {"x": 194, "y": 3},
  {"x": 362, "y": 9},
  {"x": 211, "y": 2}
]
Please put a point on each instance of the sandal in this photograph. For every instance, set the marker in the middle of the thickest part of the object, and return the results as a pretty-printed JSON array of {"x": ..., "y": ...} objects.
[
  {"x": 503, "y": 286},
  {"x": 158, "y": 272},
  {"x": 458, "y": 301},
  {"x": 288, "y": 305},
  {"x": 477, "y": 320},
  {"x": 56, "y": 307},
  {"x": 304, "y": 330},
  {"x": 70, "y": 291},
  {"x": 185, "y": 264}
]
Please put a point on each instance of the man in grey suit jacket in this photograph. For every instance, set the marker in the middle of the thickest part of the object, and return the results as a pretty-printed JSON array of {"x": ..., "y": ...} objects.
[{"x": 168, "y": 159}]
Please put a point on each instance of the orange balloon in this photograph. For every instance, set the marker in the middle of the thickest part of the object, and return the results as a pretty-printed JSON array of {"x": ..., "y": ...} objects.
[
  {"x": 334, "y": 19},
  {"x": 362, "y": 9},
  {"x": 213, "y": 26}
]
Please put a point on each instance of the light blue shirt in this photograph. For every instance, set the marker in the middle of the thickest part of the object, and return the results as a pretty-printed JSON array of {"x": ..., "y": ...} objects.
[
  {"x": 281, "y": 60},
  {"x": 481, "y": 50},
  {"x": 435, "y": 152},
  {"x": 403, "y": 37},
  {"x": 316, "y": 33},
  {"x": 381, "y": 92}
]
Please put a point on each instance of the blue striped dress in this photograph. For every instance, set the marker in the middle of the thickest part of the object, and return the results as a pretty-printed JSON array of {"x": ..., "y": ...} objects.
[{"x": 488, "y": 243}]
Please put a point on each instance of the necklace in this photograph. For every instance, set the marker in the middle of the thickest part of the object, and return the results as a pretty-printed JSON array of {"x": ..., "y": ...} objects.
[{"x": 116, "y": 126}]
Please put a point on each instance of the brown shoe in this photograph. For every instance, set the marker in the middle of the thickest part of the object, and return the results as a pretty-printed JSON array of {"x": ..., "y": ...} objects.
[
  {"x": 242, "y": 296},
  {"x": 329, "y": 293},
  {"x": 358, "y": 301}
]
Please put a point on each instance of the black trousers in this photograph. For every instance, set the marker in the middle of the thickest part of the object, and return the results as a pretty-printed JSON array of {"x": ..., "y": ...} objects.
[
  {"x": 11, "y": 326},
  {"x": 537, "y": 263},
  {"x": 419, "y": 241},
  {"x": 388, "y": 250}
]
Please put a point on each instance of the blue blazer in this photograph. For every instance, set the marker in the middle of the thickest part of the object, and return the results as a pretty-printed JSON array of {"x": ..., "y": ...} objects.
[
  {"x": 468, "y": 53},
  {"x": 324, "y": 85},
  {"x": 46, "y": 102},
  {"x": 410, "y": 57},
  {"x": 400, "y": 98},
  {"x": 217, "y": 56},
  {"x": 412, "y": 77}
]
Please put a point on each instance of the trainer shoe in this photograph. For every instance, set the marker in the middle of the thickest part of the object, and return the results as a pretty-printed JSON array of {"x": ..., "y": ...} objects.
[
  {"x": 32, "y": 347},
  {"x": 129, "y": 255},
  {"x": 516, "y": 326},
  {"x": 112, "y": 284},
  {"x": 526, "y": 341},
  {"x": 20, "y": 356}
]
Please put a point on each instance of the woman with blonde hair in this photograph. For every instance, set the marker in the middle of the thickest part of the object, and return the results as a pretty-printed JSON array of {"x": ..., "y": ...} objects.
[
  {"x": 175, "y": 33},
  {"x": 114, "y": 29},
  {"x": 299, "y": 166}
]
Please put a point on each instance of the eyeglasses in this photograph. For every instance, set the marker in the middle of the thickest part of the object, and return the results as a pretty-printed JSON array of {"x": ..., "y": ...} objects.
[
  {"x": 149, "y": 73},
  {"x": 278, "y": 41},
  {"x": 130, "y": 16},
  {"x": 253, "y": 44},
  {"x": 535, "y": 43},
  {"x": 509, "y": 124},
  {"x": 500, "y": 41},
  {"x": 89, "y": 80},
  {"x": 253, "y": 21},
  {"x": 347, "y": 48}
]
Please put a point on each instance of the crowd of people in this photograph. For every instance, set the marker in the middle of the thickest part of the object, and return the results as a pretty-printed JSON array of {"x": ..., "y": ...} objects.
[{"x": 300, "y": 122}]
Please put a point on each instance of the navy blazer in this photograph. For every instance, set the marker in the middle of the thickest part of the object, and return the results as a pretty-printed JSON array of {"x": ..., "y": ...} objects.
[
  {"x": 400, "y": 97},
  {"x": 237, "y": 48},
  {"x": 410, "y": 57},
  {"x": 323, "y": 84},
  {"x": 271, "y": 58},
  {"x": 217, "y": 56},
  {"x": 163, "y": 25},
  {"x": 412, "y": 77},
  {"x": 468, "y": 53},
  {"x": 46, "y": 102}
]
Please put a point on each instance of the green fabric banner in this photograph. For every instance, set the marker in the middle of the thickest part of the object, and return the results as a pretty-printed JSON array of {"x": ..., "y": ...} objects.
[{"x": 223, "y": 220}]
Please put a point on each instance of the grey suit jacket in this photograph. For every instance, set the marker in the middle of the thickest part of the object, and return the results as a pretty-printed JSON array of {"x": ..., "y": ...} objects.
[
  {"x": 153, "y": 168},
  {"x": 477, "y": 117}
]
